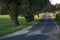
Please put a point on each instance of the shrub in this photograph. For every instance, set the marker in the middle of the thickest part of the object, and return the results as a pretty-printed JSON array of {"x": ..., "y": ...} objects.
[{"x": 58, "y": 17}]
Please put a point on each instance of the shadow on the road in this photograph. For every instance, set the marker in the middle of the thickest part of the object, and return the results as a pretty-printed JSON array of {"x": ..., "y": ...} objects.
[
  {"x": 25, "y": 37},
  {"x": 47, "y": 24}
]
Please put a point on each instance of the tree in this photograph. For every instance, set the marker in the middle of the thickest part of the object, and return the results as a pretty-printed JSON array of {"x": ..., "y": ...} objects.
[
  {"x": 12, "y": 6},
  {"x": 27, "y": 8}
]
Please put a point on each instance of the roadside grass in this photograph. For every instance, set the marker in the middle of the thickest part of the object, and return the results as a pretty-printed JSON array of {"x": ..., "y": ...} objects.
[
  {"x": 7, "y": 28},
  {"x": 57, "y": 20}
]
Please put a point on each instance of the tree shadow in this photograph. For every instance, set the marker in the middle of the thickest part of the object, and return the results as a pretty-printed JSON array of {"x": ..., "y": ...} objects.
[
  {"x": 47, "y": 24},
  {"x": 25, "y": 37}
]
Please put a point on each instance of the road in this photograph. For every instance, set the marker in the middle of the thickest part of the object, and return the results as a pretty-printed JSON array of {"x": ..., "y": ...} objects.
[{"x": 46, "y": 29}]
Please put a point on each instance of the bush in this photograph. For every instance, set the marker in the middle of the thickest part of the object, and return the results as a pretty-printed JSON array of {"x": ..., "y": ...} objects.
[{"x": 58, "y": 17}]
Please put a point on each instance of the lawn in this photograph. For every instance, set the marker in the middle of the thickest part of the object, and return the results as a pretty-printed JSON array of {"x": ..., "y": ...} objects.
[{"x": 7, "y": 28}]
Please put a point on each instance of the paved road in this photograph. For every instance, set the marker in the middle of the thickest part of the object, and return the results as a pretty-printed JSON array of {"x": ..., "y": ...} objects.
[{"x": 46, "y": 29}]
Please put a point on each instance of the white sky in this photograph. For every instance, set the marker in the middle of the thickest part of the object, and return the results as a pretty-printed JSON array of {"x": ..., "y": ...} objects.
[{"x": 53, "y": 2}]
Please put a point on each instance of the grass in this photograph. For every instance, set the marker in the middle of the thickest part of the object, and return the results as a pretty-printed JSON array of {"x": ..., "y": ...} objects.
[
  {"x": 57, "y": 21},
  {"x": 6, "y": 28}
]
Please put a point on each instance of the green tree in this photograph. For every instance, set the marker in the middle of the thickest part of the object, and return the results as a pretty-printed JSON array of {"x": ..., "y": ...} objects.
[
  {"x": 27, "y": 8},
  {"x": 12, "y": 7}
]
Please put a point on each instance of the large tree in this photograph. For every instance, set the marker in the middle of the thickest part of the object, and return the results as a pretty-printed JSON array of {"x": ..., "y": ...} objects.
[{"x": 12, "y": 7}]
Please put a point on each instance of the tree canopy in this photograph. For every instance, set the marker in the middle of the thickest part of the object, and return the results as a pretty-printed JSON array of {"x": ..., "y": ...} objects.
[{"x": 27, "y": 8}]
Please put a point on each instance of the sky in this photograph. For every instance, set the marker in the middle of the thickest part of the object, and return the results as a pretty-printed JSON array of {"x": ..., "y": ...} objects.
[{"x": 53, "y": 2}]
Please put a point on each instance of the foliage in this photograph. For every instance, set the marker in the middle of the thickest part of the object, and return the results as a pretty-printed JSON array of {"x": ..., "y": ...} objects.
[
  {"x": 26, "y": 7},
  {"x": 58, "y": 17}
]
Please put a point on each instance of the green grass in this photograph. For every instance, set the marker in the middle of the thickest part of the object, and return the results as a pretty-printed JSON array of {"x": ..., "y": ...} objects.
[{"x": 7, "y": 28}]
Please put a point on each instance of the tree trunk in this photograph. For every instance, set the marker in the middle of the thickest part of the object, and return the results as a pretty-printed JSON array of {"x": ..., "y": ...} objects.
[
  {"x": 38, "y": 15},
  {"x": 14, "y": 19},
  {"x": 29, "y": 18}
]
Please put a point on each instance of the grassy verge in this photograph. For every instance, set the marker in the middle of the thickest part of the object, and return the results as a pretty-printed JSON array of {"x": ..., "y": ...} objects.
[
  {"x": 57, "y": 19},
  {"x": 58, "y": 22},
  {"x": 6, "y": 28}
]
